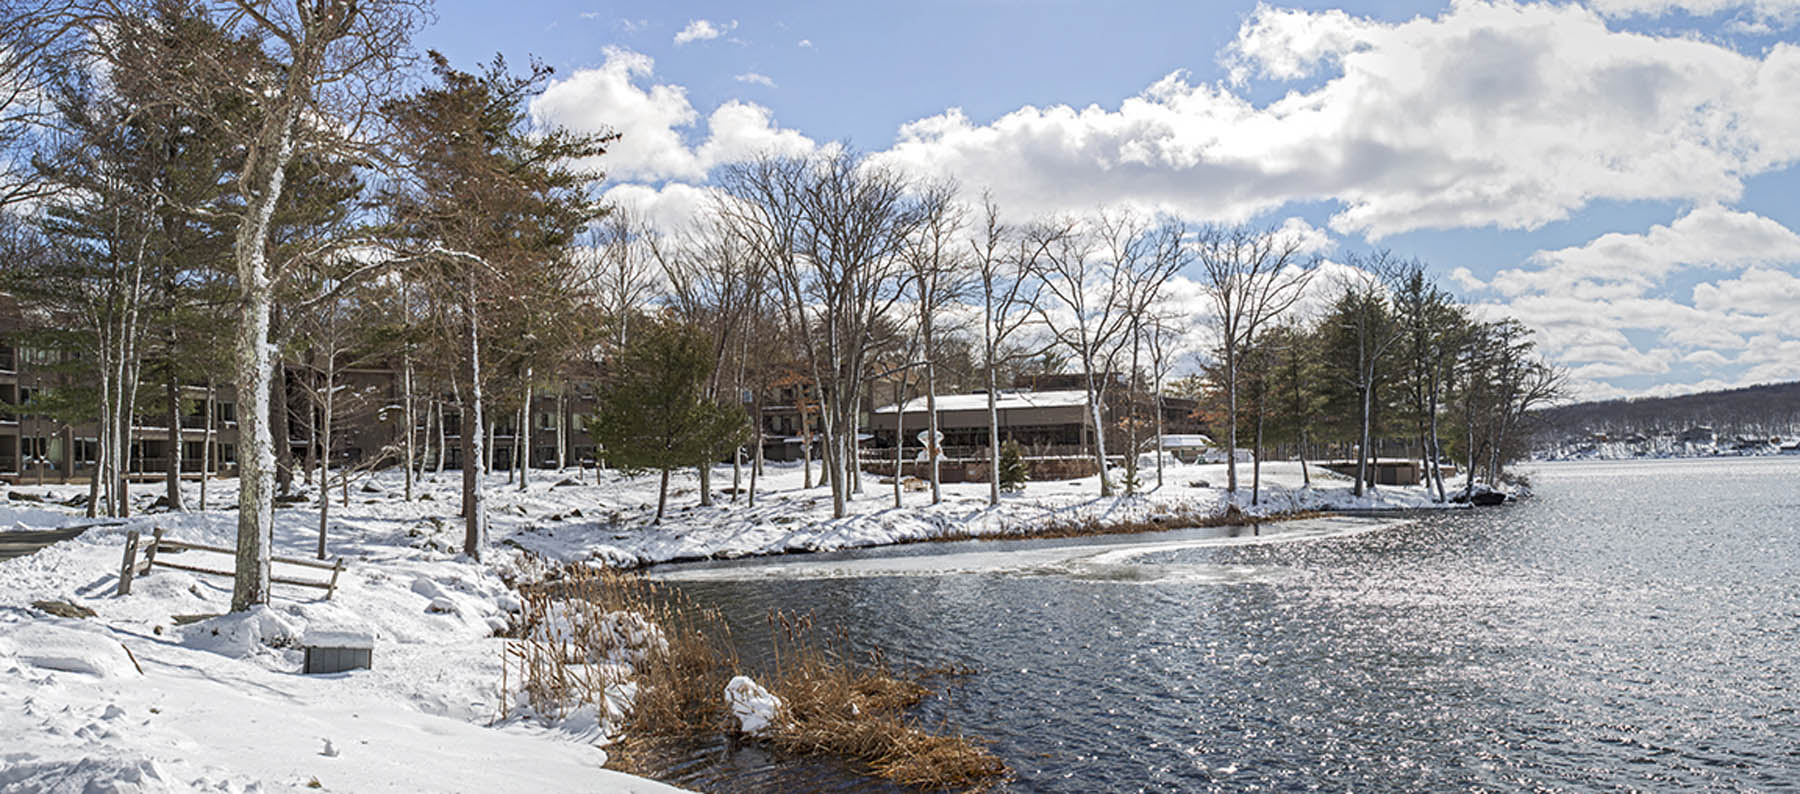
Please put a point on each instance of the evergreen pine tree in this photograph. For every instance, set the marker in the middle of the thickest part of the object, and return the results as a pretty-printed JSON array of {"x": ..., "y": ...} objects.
[
  {"x": 1014, "y": 471},
  {"x": 656, "y": 415}
]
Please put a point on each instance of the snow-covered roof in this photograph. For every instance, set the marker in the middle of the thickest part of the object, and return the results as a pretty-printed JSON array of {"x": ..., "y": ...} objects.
[
  {"x": 1007, "y": 400},
  {"x": 1185, "y": 441}
]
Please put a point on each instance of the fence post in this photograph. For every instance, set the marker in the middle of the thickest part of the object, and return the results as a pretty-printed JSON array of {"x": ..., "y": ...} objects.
[
  {"x": 150, "y": 553},
  {"x": 125, "y": 568}
]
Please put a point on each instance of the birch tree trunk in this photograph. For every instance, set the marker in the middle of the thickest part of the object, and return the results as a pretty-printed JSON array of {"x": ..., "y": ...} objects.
[
  {"x": 1093, "y": 398},
  {"x": 443, "y": 438},
  {"x": 993, "y": 409},
  {"x": 408, "y": 416}
]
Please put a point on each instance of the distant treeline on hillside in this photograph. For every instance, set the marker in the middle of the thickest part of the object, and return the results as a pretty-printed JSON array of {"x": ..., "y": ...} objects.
[{"x": 1766, "y": 410}]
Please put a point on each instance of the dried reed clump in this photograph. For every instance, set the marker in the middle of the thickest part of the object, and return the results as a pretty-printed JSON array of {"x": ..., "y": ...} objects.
[
  {"x": 589, "y": 633},
  {"x": 655, "y": 664},
  {"x": 834, "y": 705}
]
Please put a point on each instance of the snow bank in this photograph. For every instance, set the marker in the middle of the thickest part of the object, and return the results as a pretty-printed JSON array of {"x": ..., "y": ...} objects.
[
  {"x": 241, "y": 634},
  {"x": 53, "y": 646}
]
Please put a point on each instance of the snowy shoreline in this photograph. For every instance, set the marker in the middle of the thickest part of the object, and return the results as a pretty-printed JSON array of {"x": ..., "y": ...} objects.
[{"x": 219, "y": 703}]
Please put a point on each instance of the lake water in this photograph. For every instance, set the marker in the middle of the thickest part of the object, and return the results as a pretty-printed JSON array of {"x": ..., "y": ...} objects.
[{"x": 1635, "y": 626}]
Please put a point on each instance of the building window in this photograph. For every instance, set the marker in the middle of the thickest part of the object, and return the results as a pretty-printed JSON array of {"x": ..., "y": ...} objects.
[{"x": 225, "y": 412}]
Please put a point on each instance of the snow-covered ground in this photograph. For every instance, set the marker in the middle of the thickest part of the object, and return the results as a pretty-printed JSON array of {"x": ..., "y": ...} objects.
[{"x": 219, "y": 704}]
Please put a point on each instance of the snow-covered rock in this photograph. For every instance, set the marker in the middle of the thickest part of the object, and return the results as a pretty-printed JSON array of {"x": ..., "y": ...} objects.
[
  {"x": 241, "y": 634},
  {"x": 51, "y": 646},
  {"x": 755, "y": 708}
]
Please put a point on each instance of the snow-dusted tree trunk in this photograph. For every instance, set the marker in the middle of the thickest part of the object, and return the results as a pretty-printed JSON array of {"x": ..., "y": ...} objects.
[
  {"x": 409, "y": 416},
  {"x": 255, "y": 360},
  {"x": 474, "y": 456},
  {"x": 1094, "y": 415}
]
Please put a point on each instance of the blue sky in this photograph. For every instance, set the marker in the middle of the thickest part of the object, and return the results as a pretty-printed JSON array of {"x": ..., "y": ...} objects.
[{"x": 1618, "y": 175}]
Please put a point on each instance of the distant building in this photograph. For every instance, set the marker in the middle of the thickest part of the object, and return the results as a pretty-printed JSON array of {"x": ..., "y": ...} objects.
[
  {"x": 1047, "y": 414},
  {"x": 1698, "y": 434}
]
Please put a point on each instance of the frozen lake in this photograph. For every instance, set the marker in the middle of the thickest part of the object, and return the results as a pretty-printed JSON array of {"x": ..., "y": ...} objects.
[{"x": 1634, "y": 626}]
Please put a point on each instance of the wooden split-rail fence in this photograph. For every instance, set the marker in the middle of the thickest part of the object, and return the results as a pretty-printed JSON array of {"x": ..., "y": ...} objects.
[{"x": 157, "y": 551}]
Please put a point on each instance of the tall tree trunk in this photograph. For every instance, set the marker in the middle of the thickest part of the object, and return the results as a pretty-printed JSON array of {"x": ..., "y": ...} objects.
[
  {"x": 281, "y": 428},
  {"x": 1094, "y": 415},
  {"x": 102, "y": 439},
  {"x": 756, "y": 460},
  {"x": 806, "y": 480},
  {"x": 1362, "y": 450},
  {"x": 474, "y": 456},
  {"x": 523, "y": 443},
  {"x": 933, "y": 448},
  {"x": 312, "y": 427},
  {"x": 900, "y": 434},
  {"x": 1156, "y": 404},
  {"x": 443, "y": 438},
  {"x": 562, "y": 423},
  {"x": 487, "y": 462},
  {"x": 1257, "y": 457},
  {"x": 662, "y": 497},
  {"x": 127, "y": 415},
  {"x": 1231, "y": 419},
  {"x": 207, "y": 460},
  {"x": 1305, "y": 476},
  {"x": 172, "y": 478},
  {"x": 328, "y": 401},
  {"x": 409, "y": 416},
  {"x": 255, "y": 359},
  {"x": 705, "y": 471},
  {"x": 993, "y": 409}
]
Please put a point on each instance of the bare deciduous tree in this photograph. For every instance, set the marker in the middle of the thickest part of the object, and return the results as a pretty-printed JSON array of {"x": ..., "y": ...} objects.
[{"x": 1249, "y": 278}]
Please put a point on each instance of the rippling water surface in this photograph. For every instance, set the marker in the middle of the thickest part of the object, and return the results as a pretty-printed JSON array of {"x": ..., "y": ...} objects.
[{"x": 1633, "y": 626}]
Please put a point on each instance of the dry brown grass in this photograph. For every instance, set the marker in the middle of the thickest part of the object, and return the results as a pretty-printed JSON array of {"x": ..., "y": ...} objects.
[
  {"x": 834, "y": 703},
  {"x": 837, "y": 705},
  {"x": 1162, "y": 518}
]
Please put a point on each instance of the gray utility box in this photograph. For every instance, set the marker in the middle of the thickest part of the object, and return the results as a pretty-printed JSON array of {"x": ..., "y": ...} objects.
[{"x": 338, "y": 651}]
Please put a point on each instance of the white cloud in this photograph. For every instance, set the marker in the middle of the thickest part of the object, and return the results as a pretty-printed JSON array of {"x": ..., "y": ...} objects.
[
  {"x": 668, "y": 208},
  {"x": 646, "y": 118},
  {"x": 1758, "y": 291},
  {"x": 1491, "y": 114},
  {"x": 1312, "y": 239},
  {"x": 1783, "y": 12},
  {"x": 1738, "y": 329},
  {"x": 652, "y": 120},
  {"x": 703, "y": 30},
  {"x": 1625, "y": 265},
  {"x": 753, "y": 77},
  {"x": 805, "y": 43}
]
